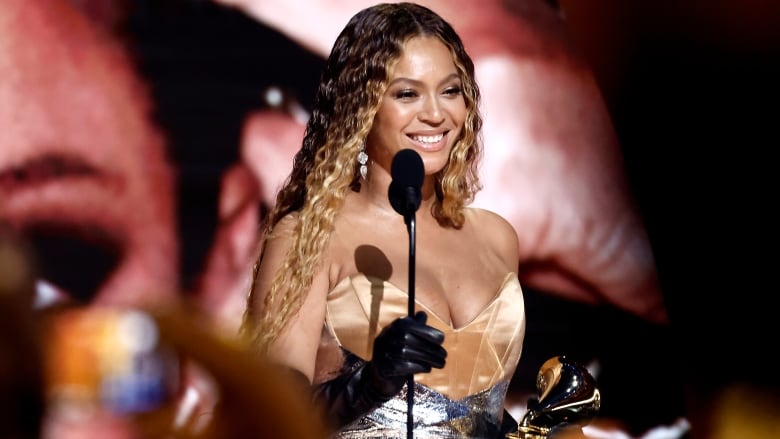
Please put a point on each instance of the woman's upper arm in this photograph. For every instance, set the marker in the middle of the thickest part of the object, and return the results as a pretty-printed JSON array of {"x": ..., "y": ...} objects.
[{"x": 297, "y": 344}]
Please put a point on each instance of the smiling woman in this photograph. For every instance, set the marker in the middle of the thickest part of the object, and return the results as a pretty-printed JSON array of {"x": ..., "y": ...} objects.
[{"x": 398, "y": 78}]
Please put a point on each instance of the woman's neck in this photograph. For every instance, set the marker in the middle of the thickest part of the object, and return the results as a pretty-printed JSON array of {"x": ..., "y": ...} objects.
[{"x": 374, "y": 190}]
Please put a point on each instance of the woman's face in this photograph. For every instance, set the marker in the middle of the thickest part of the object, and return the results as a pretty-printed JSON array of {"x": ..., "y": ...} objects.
[
  {"x": 423, "y": 108},
  {"x": 83, "y": 172}
]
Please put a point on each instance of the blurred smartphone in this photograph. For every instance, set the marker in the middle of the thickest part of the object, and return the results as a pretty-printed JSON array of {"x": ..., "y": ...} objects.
[{"x": 106, "y": 360}]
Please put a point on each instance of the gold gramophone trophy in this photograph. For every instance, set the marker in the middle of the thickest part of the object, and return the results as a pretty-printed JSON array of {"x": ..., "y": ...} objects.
[{"x": 568, "y": 399}]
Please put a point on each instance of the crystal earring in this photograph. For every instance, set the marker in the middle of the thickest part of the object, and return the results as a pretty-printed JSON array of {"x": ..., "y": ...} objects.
[{"x": 363, "y": 160}]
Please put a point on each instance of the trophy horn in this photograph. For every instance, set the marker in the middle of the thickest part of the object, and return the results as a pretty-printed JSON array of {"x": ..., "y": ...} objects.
[{"x": 568, "y": 398}]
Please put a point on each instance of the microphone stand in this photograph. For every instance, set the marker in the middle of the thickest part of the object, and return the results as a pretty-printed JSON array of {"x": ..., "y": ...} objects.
[
  {"x": 408, "y": 173},
  {"x": 409, "y": 219}
]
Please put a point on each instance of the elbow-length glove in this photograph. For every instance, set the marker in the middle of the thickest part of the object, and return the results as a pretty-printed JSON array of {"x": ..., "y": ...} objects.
[{"x": 404, "y": 347}]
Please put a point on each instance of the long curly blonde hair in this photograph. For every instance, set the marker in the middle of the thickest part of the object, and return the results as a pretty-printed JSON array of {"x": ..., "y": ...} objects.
[{"x": 325, "y": 169}]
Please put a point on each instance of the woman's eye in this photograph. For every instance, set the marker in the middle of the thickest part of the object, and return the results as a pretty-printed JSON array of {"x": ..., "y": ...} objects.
[
  {"x": 452, "y": 91},
  {"x": 405, "y": 94},
  {"x": 72, "y": 260}
]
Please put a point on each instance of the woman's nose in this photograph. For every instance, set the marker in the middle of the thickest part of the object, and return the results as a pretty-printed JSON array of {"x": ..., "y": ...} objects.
[{"x": 431, "y": 111}]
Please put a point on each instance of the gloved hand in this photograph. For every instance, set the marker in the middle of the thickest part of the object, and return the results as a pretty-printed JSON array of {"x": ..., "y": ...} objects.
[{"x": 404, "y": 347}]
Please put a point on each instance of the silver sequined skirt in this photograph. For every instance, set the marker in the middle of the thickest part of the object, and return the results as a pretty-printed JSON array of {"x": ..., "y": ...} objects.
[{"x": 435, "y": 416}]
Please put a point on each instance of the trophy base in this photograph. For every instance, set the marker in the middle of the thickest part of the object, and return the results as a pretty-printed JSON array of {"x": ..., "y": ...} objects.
[
  {"x": 534, "y": 432},
  {"x": 529, "y": 432}
]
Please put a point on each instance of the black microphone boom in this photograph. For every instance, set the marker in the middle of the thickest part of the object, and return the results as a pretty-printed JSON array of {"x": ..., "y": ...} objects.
[{"x": 408, "y": 173}]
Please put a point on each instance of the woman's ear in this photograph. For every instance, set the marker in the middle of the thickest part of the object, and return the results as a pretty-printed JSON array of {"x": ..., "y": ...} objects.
[
  {"x": 224, "y": 282},
  {"x": 269, "y": 142}
]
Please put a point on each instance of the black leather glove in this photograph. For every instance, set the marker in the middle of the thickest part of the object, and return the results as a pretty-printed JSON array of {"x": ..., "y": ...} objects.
[{"x": 404, "y": 347}]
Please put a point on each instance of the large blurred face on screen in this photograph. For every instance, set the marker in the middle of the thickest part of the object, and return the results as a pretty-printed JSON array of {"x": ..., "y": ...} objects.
[{"x": 83, "y": 172}]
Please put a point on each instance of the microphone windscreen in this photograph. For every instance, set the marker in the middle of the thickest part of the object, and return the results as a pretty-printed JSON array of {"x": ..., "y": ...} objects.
[
  {"x": 408, "y": 173},
  {"x": 407, "y": 169}
]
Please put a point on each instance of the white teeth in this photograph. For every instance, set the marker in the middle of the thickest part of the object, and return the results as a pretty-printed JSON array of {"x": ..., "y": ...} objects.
[{"x": 429, "y": 139}]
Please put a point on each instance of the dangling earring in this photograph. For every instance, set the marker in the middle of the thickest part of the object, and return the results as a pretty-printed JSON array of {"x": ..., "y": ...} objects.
[{"x": 363, "y": 160}]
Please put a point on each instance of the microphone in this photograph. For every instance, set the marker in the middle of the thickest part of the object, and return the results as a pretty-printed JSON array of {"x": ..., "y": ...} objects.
[
  {"x": 405, "y": 194},
  {"x": 405, "y": 190}
]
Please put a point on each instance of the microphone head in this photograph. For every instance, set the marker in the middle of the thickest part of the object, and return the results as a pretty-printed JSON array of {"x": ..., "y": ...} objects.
[
  {"x": 407, "y": 168},
  {"x": 408, "y": 173}
]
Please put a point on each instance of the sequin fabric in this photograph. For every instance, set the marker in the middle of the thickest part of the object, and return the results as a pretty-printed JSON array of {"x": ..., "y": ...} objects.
[{"x": 435, "y": 416}]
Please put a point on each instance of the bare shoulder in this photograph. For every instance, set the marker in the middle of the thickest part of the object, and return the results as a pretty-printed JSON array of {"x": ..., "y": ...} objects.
[
  {"x": 285, "y": 227},
  {"x": 495, "y": 230},
  {"x": 275, "y": 246},
  {"x": 491, "y": 222}
]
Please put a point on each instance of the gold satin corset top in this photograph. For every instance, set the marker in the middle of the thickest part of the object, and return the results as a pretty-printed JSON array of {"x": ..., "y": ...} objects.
[{"x": 480, "y": 354}]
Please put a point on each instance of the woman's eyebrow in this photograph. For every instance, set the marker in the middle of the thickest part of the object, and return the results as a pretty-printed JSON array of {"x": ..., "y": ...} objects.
[
  {"x": 450, "y": 77},
  {"x": 45, "y": 168}
]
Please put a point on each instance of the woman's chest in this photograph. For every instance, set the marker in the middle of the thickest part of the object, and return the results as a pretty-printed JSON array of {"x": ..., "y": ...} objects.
[{"x": 452, "y": 276}]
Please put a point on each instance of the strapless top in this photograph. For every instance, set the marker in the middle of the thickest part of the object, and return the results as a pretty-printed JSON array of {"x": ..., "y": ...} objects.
[{"x": 481, "y": 357}]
